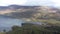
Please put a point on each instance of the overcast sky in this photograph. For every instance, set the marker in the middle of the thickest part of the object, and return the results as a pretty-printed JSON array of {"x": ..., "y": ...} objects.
[{"x": 30, "y": 2}]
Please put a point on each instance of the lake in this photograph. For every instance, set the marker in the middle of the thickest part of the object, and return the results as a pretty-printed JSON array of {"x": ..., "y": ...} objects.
[{"x": 6, "y": 23}]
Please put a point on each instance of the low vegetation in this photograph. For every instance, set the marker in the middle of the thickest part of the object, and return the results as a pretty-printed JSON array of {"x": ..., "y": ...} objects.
[
  {"x": 28, "y": 28},
  {"x": 2, "y": 33}
]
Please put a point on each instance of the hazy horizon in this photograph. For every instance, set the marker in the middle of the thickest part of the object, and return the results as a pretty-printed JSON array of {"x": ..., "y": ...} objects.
[{"x": 54, "y": 3}]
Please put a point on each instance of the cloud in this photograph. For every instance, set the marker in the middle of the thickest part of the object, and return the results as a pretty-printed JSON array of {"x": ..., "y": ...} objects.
[
  {"x": 39, "y": 2},
  {"x": 8, "y": 2},
  {"x": 56, "y": 2},
  {"x": 30, "y": 2}
]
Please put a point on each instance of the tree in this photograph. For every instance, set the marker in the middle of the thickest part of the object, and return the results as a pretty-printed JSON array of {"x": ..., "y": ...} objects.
[{"x": 4, "y": 30}]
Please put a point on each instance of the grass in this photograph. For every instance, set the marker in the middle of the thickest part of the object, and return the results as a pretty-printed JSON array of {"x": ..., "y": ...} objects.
[
  {"x": 2, "y": 32},
  {"x": 50, "y": 21}
]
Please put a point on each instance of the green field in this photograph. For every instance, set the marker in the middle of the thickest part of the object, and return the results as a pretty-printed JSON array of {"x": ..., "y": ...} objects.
[{"x": 2, "y": 32}]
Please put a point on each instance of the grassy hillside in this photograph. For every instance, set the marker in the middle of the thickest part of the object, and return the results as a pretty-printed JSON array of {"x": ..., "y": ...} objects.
[{"x": 29, "y": 28}]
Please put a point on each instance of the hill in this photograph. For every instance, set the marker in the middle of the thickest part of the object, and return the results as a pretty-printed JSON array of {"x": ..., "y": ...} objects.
[{"x": 33, "y": 13}]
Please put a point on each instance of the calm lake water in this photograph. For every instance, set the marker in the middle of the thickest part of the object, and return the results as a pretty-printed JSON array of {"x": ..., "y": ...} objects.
[
  {"x": 9, "y": 22},
  {"x": 6, "y": 23}
]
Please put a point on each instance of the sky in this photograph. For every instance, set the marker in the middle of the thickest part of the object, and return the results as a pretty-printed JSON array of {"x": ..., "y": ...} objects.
[{"x": 30, "y": 2}]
